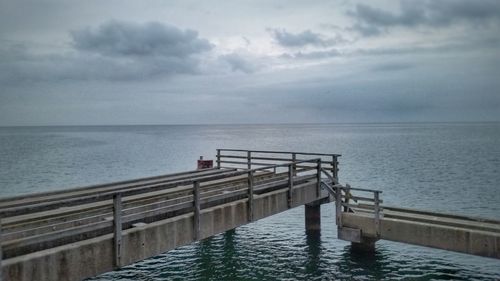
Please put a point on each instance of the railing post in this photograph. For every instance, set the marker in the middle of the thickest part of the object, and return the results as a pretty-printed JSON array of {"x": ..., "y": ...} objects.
[
  {"x": 196, "y": 214},
  {"x": 338, "y": 205},
  {"x": 249, "y": 160},
  {"x": 318, "y": 178},
  {"x": 294, "y": 159},
  {"x": 218, "y": 158},
  {"x": 290, "y": 184},
  {"x": 250, "y": 196},
  {"x": 117, "y": 229},
  {"x": 377, "y": 212},
  {"x": 335, "y": 169},
  {"x": 347, "y": 196}
]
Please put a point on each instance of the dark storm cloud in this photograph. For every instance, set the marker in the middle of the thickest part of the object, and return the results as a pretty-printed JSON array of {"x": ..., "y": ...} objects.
[
  {"x": 113, "y": 51},
  {"x": 116, "y": 38},
  {"x": 372, "y": 20},
  {"x": 304, "y": 38}
]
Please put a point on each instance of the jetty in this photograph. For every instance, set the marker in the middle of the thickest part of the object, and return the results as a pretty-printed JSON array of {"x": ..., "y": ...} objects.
[{"x": 82, "y": 232}]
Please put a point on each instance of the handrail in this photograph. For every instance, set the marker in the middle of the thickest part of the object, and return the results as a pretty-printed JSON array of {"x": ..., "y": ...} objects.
[
  {"x": 224, "y": 156},
  {"x": 19, "y": 210},
  {"x": 299, "y": 171},
  {"x": 366, "y": 190},
  {"x": 343, "y": 201},
  {"x": 91, "y": 187},
  {"x": 119, "y": 217},
  {"x": 315, "y": 160},
  {"x": 261, "y": 158},
  {"x": 279, "y": 152},
  {"x": 332, "y": 178}
]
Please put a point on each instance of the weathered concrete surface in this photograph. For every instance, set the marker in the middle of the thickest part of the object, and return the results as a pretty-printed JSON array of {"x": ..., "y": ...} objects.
[
  {"x": 429, "y": 233},
  {"x": 442, "y": 219},
  {"x": 313, "y": 218},
  {"x": 92, "y": 257},
  {"x": 24, "y": 200}
]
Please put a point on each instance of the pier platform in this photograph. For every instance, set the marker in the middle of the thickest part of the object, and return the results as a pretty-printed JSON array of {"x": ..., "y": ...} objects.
[{"x": 82, "y": 232}]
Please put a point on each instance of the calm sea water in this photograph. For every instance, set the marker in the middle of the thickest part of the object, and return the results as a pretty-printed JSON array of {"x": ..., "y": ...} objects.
[{"x": 442, "y": 167}]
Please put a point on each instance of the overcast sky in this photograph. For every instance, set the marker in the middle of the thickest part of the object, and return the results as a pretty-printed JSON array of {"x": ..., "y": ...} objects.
[{"x": 99, "y": 62}]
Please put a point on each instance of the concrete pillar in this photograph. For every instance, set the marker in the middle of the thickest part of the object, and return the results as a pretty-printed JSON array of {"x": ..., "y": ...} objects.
[
  {"x": 313, "y": 218},
  {"x": 367, "y": 245}
]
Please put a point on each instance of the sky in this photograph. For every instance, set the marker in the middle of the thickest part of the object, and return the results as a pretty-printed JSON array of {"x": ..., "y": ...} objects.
[{"x": 110, "y": 62}]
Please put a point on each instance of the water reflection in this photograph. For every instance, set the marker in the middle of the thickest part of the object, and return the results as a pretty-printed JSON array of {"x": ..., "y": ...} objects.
[
  {"x": 385, "y": 263},
  {"x": 364, "y": 263},
  {"x": 313, "y": 260},
  {"x": 230, "y": 256},
  {"x": 218, "y": 258},
  {"x": 206, "y": 259}
]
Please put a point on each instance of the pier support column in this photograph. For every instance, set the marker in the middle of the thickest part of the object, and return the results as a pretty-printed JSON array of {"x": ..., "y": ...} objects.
[
  {"x": 313, "y": 218},
  {"x": 367, "y": 245}
]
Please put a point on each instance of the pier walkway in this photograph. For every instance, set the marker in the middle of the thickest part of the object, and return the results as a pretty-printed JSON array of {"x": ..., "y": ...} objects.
[
  {"x": 83, "y": 232},
  {"x": 362, "y": 219}
]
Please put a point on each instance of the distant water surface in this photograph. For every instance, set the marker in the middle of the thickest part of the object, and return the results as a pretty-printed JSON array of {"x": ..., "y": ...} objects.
[{"x": 453, "y": 168}]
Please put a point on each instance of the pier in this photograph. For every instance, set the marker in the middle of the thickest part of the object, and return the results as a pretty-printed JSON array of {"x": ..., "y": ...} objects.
[
  {"x": 363, "y": 220},
  {"x": 83, "y": 232}
]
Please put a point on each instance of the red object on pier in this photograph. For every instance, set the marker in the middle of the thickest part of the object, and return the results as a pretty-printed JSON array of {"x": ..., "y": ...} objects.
[{"x": 205, "y": 164}]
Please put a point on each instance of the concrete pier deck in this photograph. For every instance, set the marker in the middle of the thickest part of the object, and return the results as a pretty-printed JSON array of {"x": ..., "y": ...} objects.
[
  {"x": 82, "y": 232},
  {"x": 367, "y": 220}
]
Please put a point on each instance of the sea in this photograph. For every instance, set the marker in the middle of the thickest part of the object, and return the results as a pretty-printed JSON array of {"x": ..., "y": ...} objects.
[{"x": 446, "y": 167}]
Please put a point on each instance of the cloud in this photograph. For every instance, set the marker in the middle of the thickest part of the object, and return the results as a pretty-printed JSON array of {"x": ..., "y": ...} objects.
[
  {"x": 442, "y": 13},
  {"x": 373, "y": 21},
  {"x": 302, "y": 39},
  {"x": 116, "y": 38},
  {"x": 323, "y": 54},
  {"x": 365, "y": 30},
  {"x": 410, "y": 15},
  {"x": 238, "y": 62},
  {"x": 112, "y": 51},
  {"x": 473, "y": 45}
]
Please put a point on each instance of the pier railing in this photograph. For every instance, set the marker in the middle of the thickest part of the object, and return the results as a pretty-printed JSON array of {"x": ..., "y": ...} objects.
[
  {"x": 263, "y": 182},
  {"x": 366, "y": 202},
  {"x": 246, "y": 159},
  {"x": 112, "y": 211}
]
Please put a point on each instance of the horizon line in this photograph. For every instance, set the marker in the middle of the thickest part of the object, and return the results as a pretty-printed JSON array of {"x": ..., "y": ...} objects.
[{"x": 250, "y": 124}]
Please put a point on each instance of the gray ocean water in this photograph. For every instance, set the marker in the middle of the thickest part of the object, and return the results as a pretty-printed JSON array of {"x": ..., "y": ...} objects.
[{"x": 451, "y": 167}]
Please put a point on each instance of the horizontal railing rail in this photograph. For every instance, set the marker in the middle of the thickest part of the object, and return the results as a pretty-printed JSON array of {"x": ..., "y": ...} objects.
[
  {"x": 367, "y": 204},
  {"x": 96, "y": 197},
  {"x": 246, "y": 159},
  {"x": 80, "y": 220},
  {"x": 90, "y": 188},
  {"x": 280, "y": 152},
  {"x": 175, "y": 187},
  {"x": 96, "y": 191}
]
